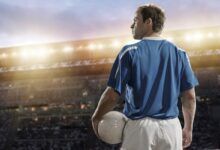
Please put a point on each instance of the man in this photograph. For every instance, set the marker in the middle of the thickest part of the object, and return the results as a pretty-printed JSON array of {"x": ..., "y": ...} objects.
[{"x": 152, "y": 74}]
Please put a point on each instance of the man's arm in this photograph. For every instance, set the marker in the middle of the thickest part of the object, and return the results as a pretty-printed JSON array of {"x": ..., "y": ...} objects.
[
  {"x": 188, "y": 109},
  {"x": 106, "y": 103}
]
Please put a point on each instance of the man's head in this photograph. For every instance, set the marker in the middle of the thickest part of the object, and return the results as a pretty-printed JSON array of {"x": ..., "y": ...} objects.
[{"x": 149, "y": 19}]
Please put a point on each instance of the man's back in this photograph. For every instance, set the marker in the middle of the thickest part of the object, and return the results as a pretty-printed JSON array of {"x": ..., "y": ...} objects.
[{"x": 151, "y": 73}]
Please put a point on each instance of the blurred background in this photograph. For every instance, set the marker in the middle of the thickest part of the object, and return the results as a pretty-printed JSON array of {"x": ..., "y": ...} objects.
[{"x": 55, "y": 59}]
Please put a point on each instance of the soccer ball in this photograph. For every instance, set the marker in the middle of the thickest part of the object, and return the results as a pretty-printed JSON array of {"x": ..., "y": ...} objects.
[{"x": 110, "y": 128}]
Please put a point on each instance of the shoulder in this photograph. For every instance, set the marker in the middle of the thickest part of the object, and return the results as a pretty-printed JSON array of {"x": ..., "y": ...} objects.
[
  {"x": 182, "y": 53},
  {"x": 172, "y": 45},
  {"x": 128, "y": 48},
  {"x": 178, "y": 49},
  {"x": 132, "y": 45}
]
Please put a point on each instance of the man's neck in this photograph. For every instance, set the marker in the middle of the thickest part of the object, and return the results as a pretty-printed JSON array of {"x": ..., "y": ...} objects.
[{"x": 153, "y": 34}]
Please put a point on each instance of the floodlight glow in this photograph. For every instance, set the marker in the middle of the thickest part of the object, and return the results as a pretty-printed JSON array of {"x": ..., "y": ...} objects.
[
  {"x": 25, "y": 54},
  {"x": 80, "y": 47},
  {"x": 33, "y": 53},
  {"x": 33, "y": 67},
  {"x": 4, "y": 55},
  {"x": 210, "y": 35},
  {"x": 51, "y": 51},
  {"x": 100, "y": 46},
  {"x": 41, "y": 53},
  {"x": 198, "y": 36},
  {"x": 188, "y": 37},
  {"x": 68, "y": 49},
  {"x": 115, "y": 43},
  {"x": 91, "y": 46},
  {"x": 194, "y": 37},
  {"x": 218, "y": 34},
  {"x": 14, "y": 54}
]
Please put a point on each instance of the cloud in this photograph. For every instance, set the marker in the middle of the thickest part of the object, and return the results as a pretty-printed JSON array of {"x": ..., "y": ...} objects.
[{"x": 67, "y": 19}]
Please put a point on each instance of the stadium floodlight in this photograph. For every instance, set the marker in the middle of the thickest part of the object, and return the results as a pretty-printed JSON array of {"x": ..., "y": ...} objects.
[
  {"x": 68, "y": 49},
  {"x": 210, "y": 35},
  {"x": 100, "y": 46},
  {"x": 188, "y": 37},
  {"x": 33, "y": 67},
  {"x": 41, "y": 53},
  {"x": 198, "y": 36},
  {"x": 51, "y": 51},
  {"x": 92, "y": 46},
  {"x": 218, "y": 33},
  {"x": 194, "y": 37},
  {"x": 80, "y": 47},
  {"x": 14, "y": 54},
  {"x": 115, "y": 43},
  {"x": 4, "y": 55},
  {"x": 25, "y": 54}
]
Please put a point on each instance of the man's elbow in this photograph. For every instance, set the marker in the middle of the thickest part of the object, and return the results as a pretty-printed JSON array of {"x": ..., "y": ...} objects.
[
  {"x": 111, "y": 94},
  {"x": 189, "y": 95}
]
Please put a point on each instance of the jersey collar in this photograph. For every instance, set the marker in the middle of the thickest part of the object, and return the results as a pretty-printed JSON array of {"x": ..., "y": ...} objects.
[{"x": 152, "y": 38}]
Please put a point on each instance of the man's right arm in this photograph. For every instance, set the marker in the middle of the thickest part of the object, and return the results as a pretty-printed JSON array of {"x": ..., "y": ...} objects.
[{"x": 188, "y": 109}]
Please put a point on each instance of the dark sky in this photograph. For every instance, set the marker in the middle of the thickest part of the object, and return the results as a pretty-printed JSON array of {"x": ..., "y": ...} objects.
[{"x": 34, "y": 21}]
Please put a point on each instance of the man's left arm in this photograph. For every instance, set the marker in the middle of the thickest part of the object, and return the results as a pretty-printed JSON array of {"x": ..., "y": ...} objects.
[{"x": 106, "y": 103}]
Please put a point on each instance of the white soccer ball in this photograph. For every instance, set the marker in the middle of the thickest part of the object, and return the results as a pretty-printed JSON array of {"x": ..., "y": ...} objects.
[{"x": 110, "y": 128}]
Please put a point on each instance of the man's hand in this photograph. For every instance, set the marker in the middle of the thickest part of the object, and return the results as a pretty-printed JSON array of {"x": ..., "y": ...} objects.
[
  {"x": 187, "y": 138},
  {"x": 106, "y": 103}
]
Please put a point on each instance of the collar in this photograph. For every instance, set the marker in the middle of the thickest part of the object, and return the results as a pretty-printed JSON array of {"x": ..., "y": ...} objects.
[{"x": 152, "y": 38}]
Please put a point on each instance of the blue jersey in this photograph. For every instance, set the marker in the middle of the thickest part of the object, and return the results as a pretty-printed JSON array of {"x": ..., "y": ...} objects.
[{"x": 150, "y": 75}]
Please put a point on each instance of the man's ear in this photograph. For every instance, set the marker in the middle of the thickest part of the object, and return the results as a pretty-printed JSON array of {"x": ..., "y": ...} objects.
[{"x": 149, "y": 21}]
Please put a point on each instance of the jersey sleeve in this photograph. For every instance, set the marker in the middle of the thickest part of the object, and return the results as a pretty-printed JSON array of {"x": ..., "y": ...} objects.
[
  {"x": 188, "y": 79},
  {"x": 120, "y": 73}
]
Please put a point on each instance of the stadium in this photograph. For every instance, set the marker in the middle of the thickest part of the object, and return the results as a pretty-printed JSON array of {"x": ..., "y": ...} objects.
[{"x": 49, "y": 91}]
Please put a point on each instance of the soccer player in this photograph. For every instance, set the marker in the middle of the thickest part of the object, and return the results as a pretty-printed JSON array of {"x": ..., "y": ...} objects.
[{"x": 151, "y": 74}]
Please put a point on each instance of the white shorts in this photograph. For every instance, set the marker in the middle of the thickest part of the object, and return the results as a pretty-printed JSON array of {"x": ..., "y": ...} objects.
[{"x": 152, "y": 134}]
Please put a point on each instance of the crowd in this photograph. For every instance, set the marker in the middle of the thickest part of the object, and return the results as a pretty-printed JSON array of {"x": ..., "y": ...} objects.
[
  {"x": 62, "y": 121},
  {"x": 75, "y": 133},
  {"x": 54, "y": 134}
]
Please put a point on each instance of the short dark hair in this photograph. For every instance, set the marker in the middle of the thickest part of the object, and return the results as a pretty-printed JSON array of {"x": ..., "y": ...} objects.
[{"x": 155, "y": 13}]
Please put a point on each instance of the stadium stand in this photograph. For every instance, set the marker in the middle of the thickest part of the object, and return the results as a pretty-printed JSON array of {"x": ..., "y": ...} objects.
[{"x": 46, "y": 102}]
